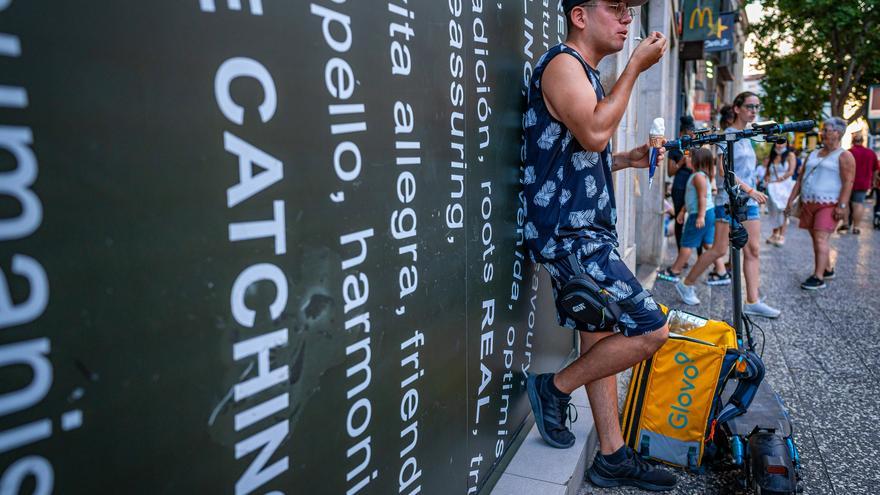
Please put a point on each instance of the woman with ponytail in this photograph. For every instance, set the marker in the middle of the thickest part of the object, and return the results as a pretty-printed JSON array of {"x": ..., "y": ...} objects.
[{"x": 745, "y": 108}]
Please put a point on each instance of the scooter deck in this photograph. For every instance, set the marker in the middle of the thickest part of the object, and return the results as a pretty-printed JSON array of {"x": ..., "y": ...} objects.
[{"x": 767, "y": 411}]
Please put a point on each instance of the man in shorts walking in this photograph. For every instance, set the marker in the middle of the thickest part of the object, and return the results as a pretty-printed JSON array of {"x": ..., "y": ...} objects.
[
  {"x": 867, "y": 166},
  {"x": 571, "y": 218}
]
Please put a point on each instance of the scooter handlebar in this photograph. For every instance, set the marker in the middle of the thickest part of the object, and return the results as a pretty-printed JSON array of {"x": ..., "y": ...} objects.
[
  {"x": 687, "y": 142},
  {"x": 799, "y": 126}
]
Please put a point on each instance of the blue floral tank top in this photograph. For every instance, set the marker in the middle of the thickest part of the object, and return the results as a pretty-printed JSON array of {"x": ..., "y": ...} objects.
[{"x": 569, "y": 192}]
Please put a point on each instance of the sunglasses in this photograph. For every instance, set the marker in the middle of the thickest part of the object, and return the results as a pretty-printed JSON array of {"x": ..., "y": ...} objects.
[
  {"x": 620, "y": 9},
  {"x": 753, "y": 107}
]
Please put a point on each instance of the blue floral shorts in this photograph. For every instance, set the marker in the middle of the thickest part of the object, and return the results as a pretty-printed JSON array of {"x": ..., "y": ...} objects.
[{"x": 602, "y": 261}]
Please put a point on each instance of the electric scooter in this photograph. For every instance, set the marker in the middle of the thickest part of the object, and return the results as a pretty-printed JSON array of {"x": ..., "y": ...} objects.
[{"x": 759, "y": 440}]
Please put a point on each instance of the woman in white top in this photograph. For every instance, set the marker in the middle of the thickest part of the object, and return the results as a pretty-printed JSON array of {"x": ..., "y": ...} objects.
[
  {"x": 780, "y": 167},
  {"x": 824, "y": 186},
  {"x": 745, "y": 106}
]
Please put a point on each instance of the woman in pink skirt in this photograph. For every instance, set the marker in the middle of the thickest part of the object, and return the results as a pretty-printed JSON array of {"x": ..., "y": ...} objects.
[{"x": 825, "y": 187}]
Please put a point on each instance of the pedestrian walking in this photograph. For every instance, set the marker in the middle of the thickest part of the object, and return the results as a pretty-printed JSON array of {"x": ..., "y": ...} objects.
[
  {"x": 745, "y": 106},
  {"x": 720, "y": 274},
  {"x": 780, "y": 167},
  {"x": 824, "y": 190},
  {"x": 680, "y": 170},
  {"x": 866, "y": 167},
  {"x": 570, "y": 227},
  {"x": 699, "y": 228}
]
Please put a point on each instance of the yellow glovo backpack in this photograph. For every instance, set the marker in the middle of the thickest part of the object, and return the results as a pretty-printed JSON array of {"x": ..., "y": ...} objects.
[{"x": 673, "y": 404}]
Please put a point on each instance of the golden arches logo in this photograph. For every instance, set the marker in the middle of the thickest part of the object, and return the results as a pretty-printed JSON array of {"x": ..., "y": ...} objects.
[{"x": 702, "y": 13}]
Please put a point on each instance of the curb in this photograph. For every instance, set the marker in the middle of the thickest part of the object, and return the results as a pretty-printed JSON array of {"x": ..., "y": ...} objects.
[{"x": 538, "y": 469}]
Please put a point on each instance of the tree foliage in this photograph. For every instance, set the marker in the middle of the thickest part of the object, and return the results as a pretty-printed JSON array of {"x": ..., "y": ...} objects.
[{"x": 817, "y": 51}]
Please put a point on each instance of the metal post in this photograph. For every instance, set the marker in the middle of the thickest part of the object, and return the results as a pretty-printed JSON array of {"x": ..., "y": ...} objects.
[{"x": 735, "y": 259}]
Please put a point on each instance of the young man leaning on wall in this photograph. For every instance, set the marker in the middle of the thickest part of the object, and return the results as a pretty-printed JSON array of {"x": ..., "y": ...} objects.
[{"x": 571, "y": 219}]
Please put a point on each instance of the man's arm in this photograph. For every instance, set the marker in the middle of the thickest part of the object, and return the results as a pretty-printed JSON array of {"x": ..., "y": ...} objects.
[
  {"x": 592, "y": 122},
  {"x": 636, "y": 157},
  {"x": 620, "y": 161}
]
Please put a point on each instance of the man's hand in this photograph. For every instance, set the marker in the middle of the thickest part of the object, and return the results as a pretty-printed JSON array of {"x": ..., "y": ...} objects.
[
  {"x": 701, "y": 222},
  {"x": 649, "y": 51},
  {"x": 641, "y": 157},
  {"x": 840, "y": 213}
]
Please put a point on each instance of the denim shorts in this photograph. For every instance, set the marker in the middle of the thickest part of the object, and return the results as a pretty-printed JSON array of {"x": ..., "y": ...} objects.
[
  {"x": 602, "y": 261},
  {"x": 858, "y": 197},
  {"x": 694, "y": 237},
  {"x": 721, "y": 215}
]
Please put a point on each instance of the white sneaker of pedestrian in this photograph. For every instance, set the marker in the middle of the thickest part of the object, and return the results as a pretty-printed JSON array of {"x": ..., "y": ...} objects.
[
  {"x": 761, "y": 309},
  {"x": 687, "y": 294}
]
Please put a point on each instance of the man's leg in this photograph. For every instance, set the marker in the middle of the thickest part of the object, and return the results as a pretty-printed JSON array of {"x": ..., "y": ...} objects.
[
  {"x": 858, "y": 209},
  {"x": 603, "y": 401},
  {"x": 616, "y": 464},
  {"x": 609, "y": 356}
]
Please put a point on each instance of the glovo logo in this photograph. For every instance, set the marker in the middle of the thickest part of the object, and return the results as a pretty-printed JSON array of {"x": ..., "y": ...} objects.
[
  {"x": 700, "y": 15},
  {"x": 678, "y": 418}
]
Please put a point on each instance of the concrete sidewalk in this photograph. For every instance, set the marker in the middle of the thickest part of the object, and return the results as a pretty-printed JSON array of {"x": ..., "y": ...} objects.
[{"x": 822, "y": 357}]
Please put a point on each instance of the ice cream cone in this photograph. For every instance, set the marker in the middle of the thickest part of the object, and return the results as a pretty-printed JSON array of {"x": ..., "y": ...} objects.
[{"x": 656, "y": 141}]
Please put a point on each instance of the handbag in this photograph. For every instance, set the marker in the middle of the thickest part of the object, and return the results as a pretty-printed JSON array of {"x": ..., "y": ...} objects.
[
  {"x": 779, "y": 191},
  {"x": 584, "y": 300},
  {"x": 797, "y": 204}
]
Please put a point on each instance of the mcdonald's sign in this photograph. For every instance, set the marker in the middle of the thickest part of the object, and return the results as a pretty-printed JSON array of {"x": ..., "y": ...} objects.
[{"x": 699, "y": 19}]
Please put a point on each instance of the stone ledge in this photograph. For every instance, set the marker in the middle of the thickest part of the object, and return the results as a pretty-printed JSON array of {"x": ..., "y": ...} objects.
[{"x": 538, "y": 469}]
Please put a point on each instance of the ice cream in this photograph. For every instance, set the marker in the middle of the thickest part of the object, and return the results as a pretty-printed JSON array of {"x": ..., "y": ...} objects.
[
  {"x": 655, "y": 139},
  {"x": 657, "y": 133}
]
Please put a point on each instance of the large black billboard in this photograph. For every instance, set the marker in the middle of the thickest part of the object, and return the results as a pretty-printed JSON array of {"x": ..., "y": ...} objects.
[{"x": 266, "y": 247}]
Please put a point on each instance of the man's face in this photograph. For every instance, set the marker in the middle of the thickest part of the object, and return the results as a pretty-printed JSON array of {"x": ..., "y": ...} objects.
[{"x": 607, "y": 24}]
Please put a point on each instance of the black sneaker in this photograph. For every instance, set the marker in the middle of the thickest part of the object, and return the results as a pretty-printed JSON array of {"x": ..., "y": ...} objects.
[
  {"x": 828, "y": 274},
  {"x": 550, "y": 411},
  {"x": 715, "y": 279},
  {"x": 634, "y": 471},
  {"x": 813, "y": 283},
  {"x": 669, "y": 275}
]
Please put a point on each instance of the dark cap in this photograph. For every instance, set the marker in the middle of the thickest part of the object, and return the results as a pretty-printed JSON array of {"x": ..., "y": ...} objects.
[
  {"x": 567, "y": 5},
  {"x": 686, "y": 122}
]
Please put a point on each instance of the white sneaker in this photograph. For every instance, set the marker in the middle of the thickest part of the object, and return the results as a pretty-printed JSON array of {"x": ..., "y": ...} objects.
[
  {"x": 761, "y": 309},
  {"x": 688, "y": 294}
]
